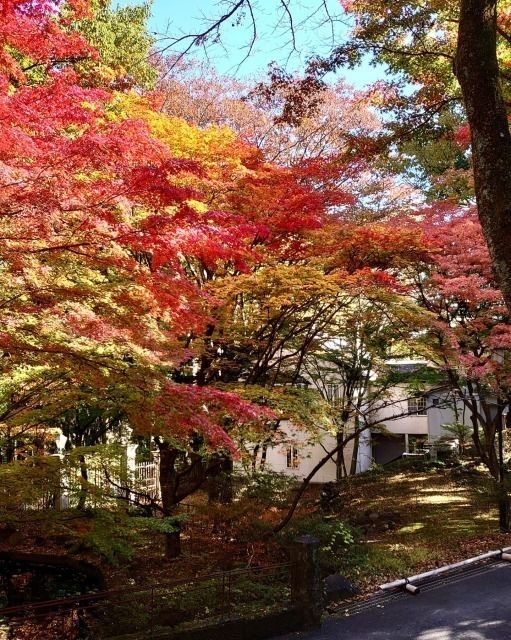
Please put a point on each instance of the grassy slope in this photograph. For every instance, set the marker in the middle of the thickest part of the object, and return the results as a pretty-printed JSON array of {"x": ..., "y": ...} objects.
[
  {"x": 410, "y": 521},
  {"x": 441, "y": 516}
]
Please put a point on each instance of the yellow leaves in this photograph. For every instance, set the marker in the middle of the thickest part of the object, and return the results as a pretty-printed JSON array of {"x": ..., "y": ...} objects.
[
  {"x": 294, "y": 292},
  {"x": 304, "y": 407},
  {"x": 209, "y": 145},
  {"x": 281, "y": 284},
  {"x": 220, "y": 160},
  {"x": 198, "y": 206},
  {"x": 91, "y": 176},
  {"x": 216, "y": 148},
  {"x": 89, "y": 105}
]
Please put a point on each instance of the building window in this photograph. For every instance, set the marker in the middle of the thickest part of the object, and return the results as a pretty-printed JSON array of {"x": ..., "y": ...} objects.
[
  {"x": 417, "y": 406},
  {"x": 292, "y": 461}
]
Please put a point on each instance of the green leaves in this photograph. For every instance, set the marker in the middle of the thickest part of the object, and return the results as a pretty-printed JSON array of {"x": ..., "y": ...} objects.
[
  {"x": 124, "y": 45},
  {"x": 167, "y": 524}
]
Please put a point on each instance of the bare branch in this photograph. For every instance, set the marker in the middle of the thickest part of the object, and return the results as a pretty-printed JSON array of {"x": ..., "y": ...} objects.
[
  {"x": 137, "y": 498},
  {"x": 196, "y": 39},
  {"x": 289, "y": 17},
  {"x": 285, "y": 5},
  {"x": 253, "y": 37}
]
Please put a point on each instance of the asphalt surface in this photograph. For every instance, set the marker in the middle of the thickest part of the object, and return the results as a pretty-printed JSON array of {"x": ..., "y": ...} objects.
[{"x": 471, "y": 605}]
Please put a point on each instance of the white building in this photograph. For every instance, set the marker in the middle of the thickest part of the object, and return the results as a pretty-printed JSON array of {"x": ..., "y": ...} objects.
[
  {"x": 296, "y": 455},
  {"x": 405, "y": 424}
]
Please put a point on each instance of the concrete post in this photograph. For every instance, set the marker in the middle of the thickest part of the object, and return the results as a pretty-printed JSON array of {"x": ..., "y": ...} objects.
[
  {"x": 61, "y": 493},
  {"x": 306, "y": 586}
]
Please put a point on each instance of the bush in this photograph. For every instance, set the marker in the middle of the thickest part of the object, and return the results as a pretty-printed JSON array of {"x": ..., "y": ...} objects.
[
  {"x": 111, "y": 535},
  {"x": 336, "y": 539},
  {"x": 270, "y": 487}
]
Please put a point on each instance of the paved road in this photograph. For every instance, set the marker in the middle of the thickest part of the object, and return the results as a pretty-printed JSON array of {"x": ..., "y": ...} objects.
[{"x": 475, "y": 605}]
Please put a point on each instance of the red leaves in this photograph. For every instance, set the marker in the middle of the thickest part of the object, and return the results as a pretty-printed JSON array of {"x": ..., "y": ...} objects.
[
  {"x": 462, "y": 136},
  {"x": 384, "y": 247},
  {"x": 33, "y": 29},
  {"x": 281, "y": 207},
  {"x": 185, "y": 409},
  {"x": 109, "y": 241},
  {"x": 151, "y": 183},
  {"x": 462, "y": 259},
  {"x": 471, "y": 319}
]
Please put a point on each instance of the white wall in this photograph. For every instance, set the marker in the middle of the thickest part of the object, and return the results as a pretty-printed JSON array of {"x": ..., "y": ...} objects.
[
  {"x": 397, "y": 405},
  {"x": 308, "y": 455},
  {"x": 444, "y": 414}
]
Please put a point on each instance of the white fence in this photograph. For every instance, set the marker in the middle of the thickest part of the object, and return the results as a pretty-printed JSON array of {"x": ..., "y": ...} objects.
[
  {"x": 147, "y": 478},
  {"x": 91, "y": 482}
]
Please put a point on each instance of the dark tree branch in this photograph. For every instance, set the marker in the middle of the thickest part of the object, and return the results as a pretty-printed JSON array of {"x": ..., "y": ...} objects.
[
  {"x": 143, "y": 500},
  {"x": 54, "y": 63},
  {"x": 504, "y": 34},
  {"x": 235, "y": 14},
  {"x": 285, "y": 5},
  {"x": 196, "y": 39}
]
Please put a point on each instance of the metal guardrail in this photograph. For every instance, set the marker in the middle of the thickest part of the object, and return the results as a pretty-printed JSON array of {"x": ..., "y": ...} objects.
[{"x": 208, "y": 599}]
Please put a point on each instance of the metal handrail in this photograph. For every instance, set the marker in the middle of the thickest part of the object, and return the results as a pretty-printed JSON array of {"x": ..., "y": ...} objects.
[{"x": 95, "y": 598}]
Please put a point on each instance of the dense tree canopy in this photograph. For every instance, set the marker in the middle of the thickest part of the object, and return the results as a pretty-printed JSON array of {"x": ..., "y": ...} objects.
[
  {"x": 426, "y": 47},
  {"x": 469, "y": 334},
  {"x": 175, "y": 269},
  {"x": 95, "y": 285},
  {"x": 148, "y": 262}
]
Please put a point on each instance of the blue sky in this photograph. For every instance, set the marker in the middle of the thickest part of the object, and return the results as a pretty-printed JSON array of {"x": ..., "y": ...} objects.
[{"x": 181, "y": 17}]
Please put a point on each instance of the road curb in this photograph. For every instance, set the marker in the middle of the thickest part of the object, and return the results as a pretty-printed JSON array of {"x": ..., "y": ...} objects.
[{"x": 409, "y": 581}]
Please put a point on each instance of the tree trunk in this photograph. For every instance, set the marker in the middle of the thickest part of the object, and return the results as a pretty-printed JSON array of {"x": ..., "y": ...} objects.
[
  {"x": 168, "y": 487},
  {"x": 341, "y": 470},
  {"x": 477, "y": 70},
  {"x": 84, "y": 479},
  {"x": 340, "y": 463},
  {"x": 264, "y": 453},
  {"x": 504, "y": 514},
  {"x": 356, "y": 444},
  {"x": 10, "y": 450},
  {"x": 220, "y": 485},
  {"x": 180, "y": 476},
  {"x": 173, "y": 544}
]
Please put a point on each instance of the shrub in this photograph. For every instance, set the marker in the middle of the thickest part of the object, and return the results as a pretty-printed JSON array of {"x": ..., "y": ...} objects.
[
  {"x": 336, "y": 539},
  {"x": 270, "y": 487}
]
